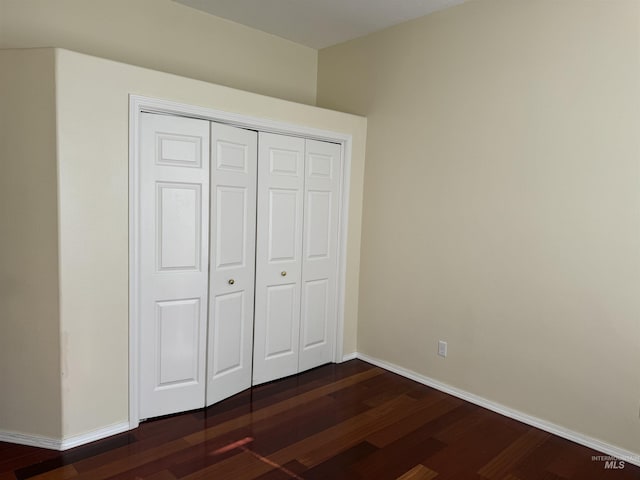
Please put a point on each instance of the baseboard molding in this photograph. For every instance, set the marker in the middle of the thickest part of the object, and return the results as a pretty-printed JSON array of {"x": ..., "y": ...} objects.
[
  {"x": 595, "y": 444},
  {"x": 66, "y": 443},
  {"x": 92, "y": 436},
  {"x": 350, "y": 356},
  {"x": 31, "y": 440}
]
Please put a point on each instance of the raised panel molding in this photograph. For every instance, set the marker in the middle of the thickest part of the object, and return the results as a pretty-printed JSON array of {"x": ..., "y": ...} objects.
[
  {"x": 280, "y": 318},
  {"x": 315, "y": 315},
  {"x": 319, "y": 224},
  {"x": 229, "y": 307},
  {"x": 177, "y": 344},
  {"x": 231, "y": 212},
  {"x": 283, "y": 213},
  {"x": 178, "y": 226},
  {"x": 231, "y": 156},
  {"x": 179, "y": 150},
  {"x": 320, "y": 166},
  {"x": 283, "y": 162}
]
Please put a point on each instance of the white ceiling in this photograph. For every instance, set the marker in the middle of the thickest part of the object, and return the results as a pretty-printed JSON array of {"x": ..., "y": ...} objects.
[{"x": 319, "y": 23}]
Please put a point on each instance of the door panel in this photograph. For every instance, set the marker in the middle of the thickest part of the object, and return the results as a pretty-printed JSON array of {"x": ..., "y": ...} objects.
[
  {"x": 278, "y": 256},
  {"x": 315, "y": 314},
  {"x": 281, "y": 315},
  {"x": 179, "y": 218},
  {"x": 231, "y": 211},
  {"x": 174, "y": 187},
  {"x": 233, "y": 219},
  {"x": 178, "y": 341},
  {"x": 323, "y": 162},
  {"x": 229, "y": 325},
  {"x": 318, "y": 224},
  {"x": 284, "y": 225},
  {"x": 180, "y": 150}
]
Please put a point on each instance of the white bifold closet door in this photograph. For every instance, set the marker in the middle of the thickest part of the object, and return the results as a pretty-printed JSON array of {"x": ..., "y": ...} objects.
[
  {"x": 207, "y": 257},
  {"x": 278, "y": 256},
  {"x": 296, "y": 255},
  {"x": 232, "y": 257},
  {"x": 323, "y": 167},
  {"x": 174, "y": 247}
]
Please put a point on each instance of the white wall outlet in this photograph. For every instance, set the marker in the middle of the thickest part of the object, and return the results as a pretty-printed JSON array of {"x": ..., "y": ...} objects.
[{"x": 442, "y": 348}]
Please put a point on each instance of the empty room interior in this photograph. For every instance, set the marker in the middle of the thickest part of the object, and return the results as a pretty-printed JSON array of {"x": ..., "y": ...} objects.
[{"x": 320, "y": 239}]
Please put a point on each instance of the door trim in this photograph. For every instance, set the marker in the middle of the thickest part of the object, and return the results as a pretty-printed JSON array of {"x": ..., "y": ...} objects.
[{"x": 139, "y": 104}]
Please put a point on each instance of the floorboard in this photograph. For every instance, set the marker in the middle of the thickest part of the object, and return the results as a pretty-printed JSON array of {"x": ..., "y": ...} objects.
[{"x": 348, "y": 421}]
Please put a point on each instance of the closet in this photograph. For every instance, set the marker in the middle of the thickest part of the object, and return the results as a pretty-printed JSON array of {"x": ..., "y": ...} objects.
[{"x": 238, "y": 259}]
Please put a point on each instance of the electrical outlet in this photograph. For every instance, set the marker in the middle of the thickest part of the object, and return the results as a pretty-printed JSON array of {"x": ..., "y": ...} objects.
[{"x": 442, "y": 348}]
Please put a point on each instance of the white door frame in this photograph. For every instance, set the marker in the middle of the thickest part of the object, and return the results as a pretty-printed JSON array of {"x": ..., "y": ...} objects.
[{"x": 139, "y": 104}]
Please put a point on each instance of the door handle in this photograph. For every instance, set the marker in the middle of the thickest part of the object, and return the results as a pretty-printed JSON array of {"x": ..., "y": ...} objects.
[
  {"x": 231, "y": 281},
  {"x": 283, "y": 273}
]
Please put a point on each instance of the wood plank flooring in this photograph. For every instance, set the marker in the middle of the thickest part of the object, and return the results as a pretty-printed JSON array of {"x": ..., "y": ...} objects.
[{"x": 348, "y": 421}]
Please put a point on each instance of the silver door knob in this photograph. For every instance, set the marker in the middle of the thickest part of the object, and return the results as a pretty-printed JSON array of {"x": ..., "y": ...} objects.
[
  {"x": 231, "y": 281},
  {"x": 283, "y": 273}
]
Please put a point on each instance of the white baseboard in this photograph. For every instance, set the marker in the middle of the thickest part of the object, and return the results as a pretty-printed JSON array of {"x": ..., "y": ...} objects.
[
  {"x": 30, "y": 440},
  {"x": 595, "y": 444},
  {"x": 93, "y": 435},
  {"x": 66, "y": 443},
  {"x": 350, "y": 356}
]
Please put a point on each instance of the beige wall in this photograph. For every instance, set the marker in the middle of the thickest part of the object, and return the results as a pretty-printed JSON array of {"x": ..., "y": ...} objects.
[
  {"x": 502, "y": 203},
  {"x": 166, "y": 36},
  {"x": 93, "y": 189},
  {"x": 29, "y": 315}
]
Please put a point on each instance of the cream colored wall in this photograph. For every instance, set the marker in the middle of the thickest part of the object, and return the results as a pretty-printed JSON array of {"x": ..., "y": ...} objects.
[
  {"x": 166, "y": 36},
  {"x": 29, "y": 317},
  {"x": 92, "y": 99},
  {"x": 502, "y": 203}
]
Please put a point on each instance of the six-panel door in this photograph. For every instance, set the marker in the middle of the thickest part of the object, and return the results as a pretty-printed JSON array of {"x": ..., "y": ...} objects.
[
  {"x": 323, "y": 164},
  {"x": 174, "y": 238},
  {"x": 232, "y": 260},
  {"x": 278, "y": 256}
]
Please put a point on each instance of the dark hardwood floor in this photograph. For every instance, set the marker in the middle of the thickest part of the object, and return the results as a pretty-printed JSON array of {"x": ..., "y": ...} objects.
[{"x": 348, "y": 421}]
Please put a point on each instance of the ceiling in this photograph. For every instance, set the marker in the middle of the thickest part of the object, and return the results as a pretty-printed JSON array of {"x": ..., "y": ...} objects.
[{"x": 319, "y": 23}]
